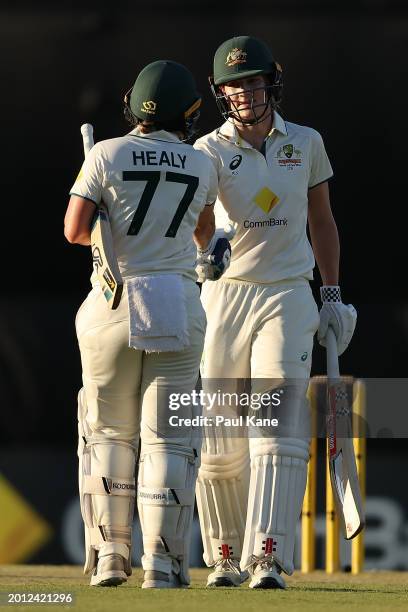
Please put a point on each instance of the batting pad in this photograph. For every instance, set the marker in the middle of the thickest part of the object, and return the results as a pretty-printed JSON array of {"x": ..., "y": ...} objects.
[
  {"x": 166, "y": 482},
  {"x": 222, "y": 493},
  {"x": 107, "y": 493},
  {"x": 277, "y": 487}
]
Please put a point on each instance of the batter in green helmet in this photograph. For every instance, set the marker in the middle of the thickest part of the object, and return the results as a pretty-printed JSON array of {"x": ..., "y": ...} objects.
[
  {"x": 158, "y": 193},
  {"x": 164, "y": 96},
  {"x": 247, "y": 62},
  {"x": 262, "y": 317}
]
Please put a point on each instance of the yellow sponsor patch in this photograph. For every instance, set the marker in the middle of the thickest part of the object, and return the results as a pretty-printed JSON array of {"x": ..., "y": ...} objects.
[
  {"x": 266, "y": 199},
  {"x": 22, "y": 530}
]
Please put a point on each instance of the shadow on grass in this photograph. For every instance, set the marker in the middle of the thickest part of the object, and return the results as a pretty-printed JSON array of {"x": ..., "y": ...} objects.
[
  {"x": 296, "y": 589},
  {"x": 338, "y": 589}
]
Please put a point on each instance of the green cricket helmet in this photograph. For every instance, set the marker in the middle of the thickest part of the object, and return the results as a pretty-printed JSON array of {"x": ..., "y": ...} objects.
[
  {"x": 165, "y": 94},
  {"x": 243, "y": 57}
]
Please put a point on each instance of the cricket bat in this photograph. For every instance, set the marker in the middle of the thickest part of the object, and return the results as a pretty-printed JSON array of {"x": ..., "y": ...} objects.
[
  {"x": 342, "y": 461},
  {"x": 103, "y": 255}
]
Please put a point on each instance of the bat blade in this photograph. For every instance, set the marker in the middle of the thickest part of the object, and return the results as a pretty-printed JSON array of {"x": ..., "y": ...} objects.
[
  {"x": 342, "y": 461},
  {"x": 104, "y": 258},
  {"x": 103, "y": 255}
]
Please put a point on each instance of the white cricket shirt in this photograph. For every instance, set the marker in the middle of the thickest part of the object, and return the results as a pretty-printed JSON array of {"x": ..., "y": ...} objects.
[
  {"x": 155, "y": 187},
  {"x": 266, "y": 198}
]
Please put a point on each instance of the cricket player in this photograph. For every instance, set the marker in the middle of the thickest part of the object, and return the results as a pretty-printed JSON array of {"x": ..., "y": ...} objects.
[
  {"x": 158, "y": 190},
  {"x": 261, "y": 316}
]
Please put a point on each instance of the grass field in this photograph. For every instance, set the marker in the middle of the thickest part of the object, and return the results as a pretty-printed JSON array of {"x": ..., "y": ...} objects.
[{"x": 374, "y": 591}]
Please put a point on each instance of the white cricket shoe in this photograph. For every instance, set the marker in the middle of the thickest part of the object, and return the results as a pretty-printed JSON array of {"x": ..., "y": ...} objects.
[
  {"x": 227, "y": 574},
  {"x": 109, "y": 571},
  {"x": 266, "y": 575},
  {"x": 153, "y": 579}
]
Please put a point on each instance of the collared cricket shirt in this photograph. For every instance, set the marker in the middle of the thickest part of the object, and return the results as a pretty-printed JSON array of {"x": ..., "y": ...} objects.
[
  {"x": 155, "y": 187},
  {"x": 265, "y": 197}
]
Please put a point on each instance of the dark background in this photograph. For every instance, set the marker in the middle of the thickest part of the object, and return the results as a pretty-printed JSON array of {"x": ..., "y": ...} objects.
[
  {"x": 345, "y": 71},
  {"x": 66, "y": 63}
]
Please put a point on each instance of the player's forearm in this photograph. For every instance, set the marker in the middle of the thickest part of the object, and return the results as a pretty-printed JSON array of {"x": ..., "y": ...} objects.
[
  {"x": 75, "y": 233},
  {"x": 326, "y": 248},
  {"x": 205, "y": 228},
  {"x": 83, "y": 239},
  {"x": 202, "y": 238}
]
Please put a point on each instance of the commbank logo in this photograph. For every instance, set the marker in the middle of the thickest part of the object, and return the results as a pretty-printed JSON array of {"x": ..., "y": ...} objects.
[{"x": 248, "y": 224}]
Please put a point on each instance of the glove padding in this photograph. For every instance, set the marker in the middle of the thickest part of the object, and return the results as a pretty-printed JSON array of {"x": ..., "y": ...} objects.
[
  {"x": 215, "y": 259},
  {"x": 340, "y": 317}
]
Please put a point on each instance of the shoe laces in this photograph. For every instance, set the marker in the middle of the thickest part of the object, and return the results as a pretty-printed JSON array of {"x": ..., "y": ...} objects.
[
  {"x": 231, "y": 565},
  {"x": 266, "y": 562}
]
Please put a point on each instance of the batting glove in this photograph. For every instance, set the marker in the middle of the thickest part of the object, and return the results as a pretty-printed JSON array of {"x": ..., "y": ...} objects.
[
  {"x": 340, "y": 317},
  {"x": 215, "y": 259}
]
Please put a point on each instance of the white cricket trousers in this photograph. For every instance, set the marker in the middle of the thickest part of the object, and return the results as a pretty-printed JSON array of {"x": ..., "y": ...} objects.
[
  {"x": 258, "y": 331},
  {"x": 125, "y": 388},
  {"x": 251, "y": 483}
]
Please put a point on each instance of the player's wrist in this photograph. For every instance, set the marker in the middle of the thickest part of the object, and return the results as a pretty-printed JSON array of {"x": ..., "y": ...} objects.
[
  {"x": 203, "y": 252},
  {"x": 330, "y": 294},
  {"x": 227, "y": 232}
]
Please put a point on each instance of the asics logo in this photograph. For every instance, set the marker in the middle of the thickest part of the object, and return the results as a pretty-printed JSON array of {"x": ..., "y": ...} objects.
[{"x": 235, "y": 162}]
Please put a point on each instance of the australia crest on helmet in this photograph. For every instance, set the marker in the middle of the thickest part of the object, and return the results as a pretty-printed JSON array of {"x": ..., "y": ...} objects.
[{"x": 236, "y": 56}]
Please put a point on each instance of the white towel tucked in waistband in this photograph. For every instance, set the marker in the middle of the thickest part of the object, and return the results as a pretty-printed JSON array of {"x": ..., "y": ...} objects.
[{"x": 157, "y": 313}]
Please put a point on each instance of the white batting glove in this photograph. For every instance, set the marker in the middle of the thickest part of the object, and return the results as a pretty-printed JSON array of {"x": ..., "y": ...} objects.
[
  {"x": 340, "y": 317},
  {"x": 215, "y": 259}
]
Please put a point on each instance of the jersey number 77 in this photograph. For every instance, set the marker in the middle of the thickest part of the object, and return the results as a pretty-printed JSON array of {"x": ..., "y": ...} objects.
[{"x": 152, "y": 178}]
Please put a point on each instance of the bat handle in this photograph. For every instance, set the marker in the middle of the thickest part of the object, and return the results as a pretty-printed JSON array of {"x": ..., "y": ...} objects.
[
  {"x": 87, "y": 137},
  {"x": 230, "y": 230},
  {"x": 333, "y": 371}
]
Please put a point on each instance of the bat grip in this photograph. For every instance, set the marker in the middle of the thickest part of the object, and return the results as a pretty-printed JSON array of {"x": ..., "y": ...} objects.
[
  {"x": 333, "y": 371},
  {"x": 87, "y": 137}
]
